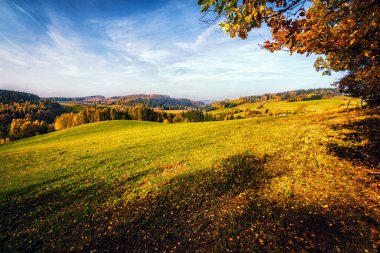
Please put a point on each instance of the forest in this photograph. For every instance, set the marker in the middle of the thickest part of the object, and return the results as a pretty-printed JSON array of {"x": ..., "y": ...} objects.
[
  {"x": 155, "y": 100},
  {"x": 24, "y": 114}
]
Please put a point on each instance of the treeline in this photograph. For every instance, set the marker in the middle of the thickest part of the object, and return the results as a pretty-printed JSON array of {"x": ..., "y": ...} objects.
[
  {"x": 23, "y": 114},
  {"x": 200, "y": 116},
  {"x": 78, "y": 99},
  {"x": 140, "y": 112},
  {"x": 225, "y": 104},
  {"x": 92, "y": 114},
  {"x": 19, "y": 120},
  {"x": 9, "y": 96},
  {"x": 295, "y": 95},
  {"x": 155, "y": 100},
  {"x": 21, "y": 128}
]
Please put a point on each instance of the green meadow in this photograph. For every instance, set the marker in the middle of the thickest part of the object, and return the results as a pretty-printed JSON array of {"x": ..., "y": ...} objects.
[
  {"x": 72, "y": 106},
  {"x": 305, "y": 182}
]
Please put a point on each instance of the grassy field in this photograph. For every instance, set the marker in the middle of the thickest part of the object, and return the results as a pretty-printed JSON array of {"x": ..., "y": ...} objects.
[
  {"x": 283, "y": 184},
  {"x": 310, "y": 106},
  {"x": 171, "y": 111},
  {"x": 73, "y": 107}
]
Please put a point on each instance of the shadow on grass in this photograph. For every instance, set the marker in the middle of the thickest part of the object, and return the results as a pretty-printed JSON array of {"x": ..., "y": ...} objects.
[
  {"x": 222, "y": 210},
  {"x": 361, "y": 140},
  {"x": 29, "y": 215},
  {"x": 216, "y": 210},
  {"x": 54, "y": 213}
]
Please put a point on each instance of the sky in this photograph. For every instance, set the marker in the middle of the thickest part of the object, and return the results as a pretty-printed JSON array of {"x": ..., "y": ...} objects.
[{"x": 121, "y": 47}]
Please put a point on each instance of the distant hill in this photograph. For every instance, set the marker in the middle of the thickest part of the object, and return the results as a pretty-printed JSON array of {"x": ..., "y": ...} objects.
[
  {"x": 207, "y": 102},
  {"x": 8, "y": 96},
  {"x": 78, "y": 99},
  {"x": 156, "y": 100},
  {"x": 151, "y": 100}
]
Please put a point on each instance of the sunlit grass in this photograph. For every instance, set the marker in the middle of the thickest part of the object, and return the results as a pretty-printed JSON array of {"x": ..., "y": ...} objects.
[
  {"x": 172, "y": 111},
  {"x": 253, "y": 184},
  {"x": 74, "y": 107}
]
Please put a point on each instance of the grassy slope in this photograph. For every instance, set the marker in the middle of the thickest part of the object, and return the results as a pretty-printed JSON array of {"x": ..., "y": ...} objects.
[
  {"x": 269, "y": 184},
  {"x": 172, "y": 111},
  {"x": 72, "y": 106},
  {"x": 295, "y": 107}
]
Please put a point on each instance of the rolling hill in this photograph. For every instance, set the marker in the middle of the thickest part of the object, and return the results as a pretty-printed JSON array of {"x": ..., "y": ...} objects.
[
  {"x": 297, "y": 183},
  {"x": 151, "y": 100},
  {"x": 279, "y": 107}
]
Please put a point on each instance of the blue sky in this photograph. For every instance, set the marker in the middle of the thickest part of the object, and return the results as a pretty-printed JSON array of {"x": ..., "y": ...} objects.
[{"x": 79, "y": 48}]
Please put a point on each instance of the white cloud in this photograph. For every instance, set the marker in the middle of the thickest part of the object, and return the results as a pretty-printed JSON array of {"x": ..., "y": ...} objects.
[
  {"x": 201, "y": 39},
  {"x": 124, "y": 37},
  {"x": 149, "y": 54}
]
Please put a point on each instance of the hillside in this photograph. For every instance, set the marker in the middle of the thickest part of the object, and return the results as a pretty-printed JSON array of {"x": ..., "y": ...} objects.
[
  {"x": 279, "y": 107},
  {"x": 87, "y": 99},
  {"x": 9, "y": 96},
  {"x": 297, "y": 183},
  {"x": 156, "y": 100},
  {"x": 151, "y": 100},
  {"x": 289, "y": 96}
]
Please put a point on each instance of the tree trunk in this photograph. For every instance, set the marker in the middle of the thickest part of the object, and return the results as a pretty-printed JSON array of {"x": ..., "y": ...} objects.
[{"x": 349, "y": 101}]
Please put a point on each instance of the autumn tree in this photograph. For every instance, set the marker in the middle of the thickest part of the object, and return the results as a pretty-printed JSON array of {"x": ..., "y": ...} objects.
[
  {"x": 177, "y": 119},
  {"x": 143, "y": 112},
  {"x": 344, "y": 33},
  {"x": 24, "y": 110},
  {"x": 21, "y": 128},
  {"x": 114, "y": 115},
  {"x": 193, "y": 115},
  {"x": 98, "y": 116}
]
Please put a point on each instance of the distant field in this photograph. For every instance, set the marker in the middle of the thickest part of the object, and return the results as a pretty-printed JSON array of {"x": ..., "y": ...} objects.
[
  {"x": 295, "y": 107},
  {"x": 172, "y": 111},
  {"x": 305, "y": 182},
  {"x": 74, "y": 107}
]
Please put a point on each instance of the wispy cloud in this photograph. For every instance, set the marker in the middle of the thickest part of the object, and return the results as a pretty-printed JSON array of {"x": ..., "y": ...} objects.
[
  {"x": 23, "y": 11},
  {"x": 200, "y": 40},
  {"x": 11, "y": 43},
  {"x": 122, "y": 38},
  {"x": 164, "y": 50}
]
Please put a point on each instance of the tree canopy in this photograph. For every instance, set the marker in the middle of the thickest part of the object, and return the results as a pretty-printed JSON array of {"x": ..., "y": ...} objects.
[
  {"x": 345, "y": 33},
  {"x": 9, "y": 96}
]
